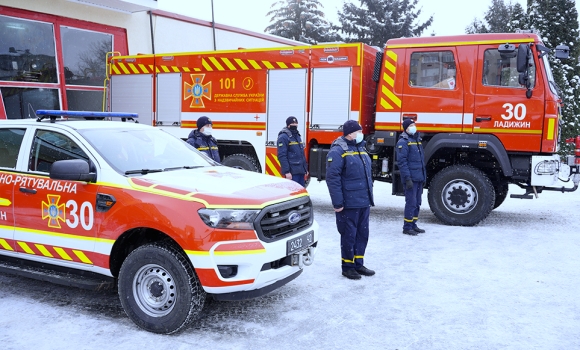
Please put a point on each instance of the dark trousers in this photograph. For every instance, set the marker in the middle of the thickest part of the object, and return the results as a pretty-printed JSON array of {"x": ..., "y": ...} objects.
[
  {"x": 412, "y": 205},
  {"x": 353, "y": 226},
  {"x": 298, "y": 178}
]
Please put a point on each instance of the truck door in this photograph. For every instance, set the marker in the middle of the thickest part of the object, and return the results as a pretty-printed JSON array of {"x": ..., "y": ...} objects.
[
  {"x": 501, "y": 106},
  {"x": 433, "y": 93},
  {"x": 286, "y": 97},
  {"x": 134, "y": 94},
  {"x": 55, "y": 219},
  {"x": 10, "y": 142},
  {"x": 331, "y": 97}
]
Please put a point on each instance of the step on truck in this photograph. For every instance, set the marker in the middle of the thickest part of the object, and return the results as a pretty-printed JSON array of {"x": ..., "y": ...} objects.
[{"x": 487, "y": 107}]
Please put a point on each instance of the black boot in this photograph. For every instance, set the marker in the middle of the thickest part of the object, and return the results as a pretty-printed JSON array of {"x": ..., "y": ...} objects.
[
  {"x": 410, "y": 232},
  {"x": 364, "y": 271},
  {"x": 418, "y": 230},
  {"x": 351, "y": 274}
]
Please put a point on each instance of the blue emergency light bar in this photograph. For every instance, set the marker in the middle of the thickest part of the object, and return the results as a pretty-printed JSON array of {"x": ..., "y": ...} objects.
[{"x": 52, "y": 114}]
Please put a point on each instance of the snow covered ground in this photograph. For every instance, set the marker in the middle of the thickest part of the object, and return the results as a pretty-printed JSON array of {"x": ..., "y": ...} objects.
[{"x": 510, "y": 283}]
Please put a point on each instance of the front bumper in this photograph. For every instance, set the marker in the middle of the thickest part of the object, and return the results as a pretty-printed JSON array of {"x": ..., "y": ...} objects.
[{"x": 259, "y": 271}]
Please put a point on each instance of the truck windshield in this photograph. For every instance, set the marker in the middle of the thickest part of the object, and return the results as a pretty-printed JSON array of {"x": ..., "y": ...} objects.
[
  {"x": 553, "y": 87},
  {"x": 140, "y": 151}
]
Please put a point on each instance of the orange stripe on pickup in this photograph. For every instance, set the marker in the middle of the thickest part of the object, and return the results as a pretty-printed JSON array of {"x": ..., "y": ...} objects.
[
  {"x": 239, "y": 246},
  {"x": 209, "y": 278}
]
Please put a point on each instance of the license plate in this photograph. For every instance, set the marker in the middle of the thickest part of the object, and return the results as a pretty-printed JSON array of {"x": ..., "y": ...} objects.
[{"x": 299, "y": 243}]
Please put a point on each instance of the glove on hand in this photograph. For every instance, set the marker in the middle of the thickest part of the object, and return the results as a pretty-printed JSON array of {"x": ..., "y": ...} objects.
[{"x": 409, "y": 184}]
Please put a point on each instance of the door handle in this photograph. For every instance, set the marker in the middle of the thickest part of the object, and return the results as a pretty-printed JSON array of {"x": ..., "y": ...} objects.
[
  {"x": 27, "y": 190},
  {"x": 410, "y": 115},
  {"x": 482, "y": 118}
]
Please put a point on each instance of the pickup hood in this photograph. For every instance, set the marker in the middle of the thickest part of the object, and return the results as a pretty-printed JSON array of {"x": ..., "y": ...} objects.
[{"x": 220, "y": 186}]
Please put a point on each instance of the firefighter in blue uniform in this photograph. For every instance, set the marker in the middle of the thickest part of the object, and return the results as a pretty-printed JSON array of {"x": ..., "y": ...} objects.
[
  {"x": 291, "y": 156},
  {"x": 201, "y": 139},
  {"x": 411, "y": 163},
  {"x": 350, "y": 183}
]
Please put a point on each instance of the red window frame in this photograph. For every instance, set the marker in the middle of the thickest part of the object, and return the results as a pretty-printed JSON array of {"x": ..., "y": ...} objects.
[{"x": 119, "y": 45}]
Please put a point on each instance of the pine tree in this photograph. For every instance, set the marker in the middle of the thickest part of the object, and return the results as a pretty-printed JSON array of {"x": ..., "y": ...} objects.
[
  {"x": 300, "y": 20},
  {"x": 376, "y": 21},
  {"x": 557, "y": 23},
  {"x": 499, "y": 18}
]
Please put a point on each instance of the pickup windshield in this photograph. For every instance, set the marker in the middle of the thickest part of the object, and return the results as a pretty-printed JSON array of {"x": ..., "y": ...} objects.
[{"x": 142, "y": 151}]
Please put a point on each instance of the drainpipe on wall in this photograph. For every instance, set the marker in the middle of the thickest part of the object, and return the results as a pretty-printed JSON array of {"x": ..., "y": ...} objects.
[
  {"x": 152, "y": 36},
  {"x": 213, "y": 26}
]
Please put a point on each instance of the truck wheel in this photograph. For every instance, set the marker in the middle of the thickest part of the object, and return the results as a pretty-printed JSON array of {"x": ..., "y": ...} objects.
[
  {"x": 242, "y": 161},
  {"x": 159, "y": 290},
  {"x": 501, "y": 192},
  {"x": 461, "y": 195}
]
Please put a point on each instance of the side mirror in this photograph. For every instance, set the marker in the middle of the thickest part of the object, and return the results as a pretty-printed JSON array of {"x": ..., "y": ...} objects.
[
  {"x": 522, "y": 60},
  {"x": 72, "y": 170},
  {"x": 507, "y": 51},
  {"x": 562, "y": 52}
]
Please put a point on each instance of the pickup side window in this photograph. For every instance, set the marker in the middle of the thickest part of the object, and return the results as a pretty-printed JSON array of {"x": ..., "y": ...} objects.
[
  {"x": 436, "y": 70},
  {"x": 498, "y": 71},
  {"x": 10, "y": 141},
  {"x": 49, "y": 146}
]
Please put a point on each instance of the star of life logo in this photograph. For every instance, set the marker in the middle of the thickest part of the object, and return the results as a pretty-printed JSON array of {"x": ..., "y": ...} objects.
[
  {"x": 53, "y": 211},
  {"x": 197, "y": 91}
]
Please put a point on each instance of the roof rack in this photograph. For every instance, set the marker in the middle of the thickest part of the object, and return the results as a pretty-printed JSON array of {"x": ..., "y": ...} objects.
[{"x": 53, "y": 114}]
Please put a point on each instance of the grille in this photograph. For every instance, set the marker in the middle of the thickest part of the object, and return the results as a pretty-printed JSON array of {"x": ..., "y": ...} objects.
[{"x": 273, "y": 221}]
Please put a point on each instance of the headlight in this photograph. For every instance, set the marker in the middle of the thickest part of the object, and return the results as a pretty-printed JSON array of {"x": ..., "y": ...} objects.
[{"x": 229, "y": 218}]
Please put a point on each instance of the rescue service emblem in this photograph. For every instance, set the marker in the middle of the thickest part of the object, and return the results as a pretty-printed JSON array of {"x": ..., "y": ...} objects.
[
  {"x": 197, "y": 91},
  {"x": 53, "y": 211}
]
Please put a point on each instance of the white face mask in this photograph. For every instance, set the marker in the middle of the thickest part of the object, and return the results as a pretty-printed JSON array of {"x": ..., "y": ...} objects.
[
  {"x": 412, "y": 130},
  {"x": 207, "y": 131},
  {"x": 359, "y": 137}
]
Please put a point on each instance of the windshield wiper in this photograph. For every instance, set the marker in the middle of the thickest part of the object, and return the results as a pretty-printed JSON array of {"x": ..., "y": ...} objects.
[
  {"x": 143, "y": 171},
  {"x": 183, "y": 167}
]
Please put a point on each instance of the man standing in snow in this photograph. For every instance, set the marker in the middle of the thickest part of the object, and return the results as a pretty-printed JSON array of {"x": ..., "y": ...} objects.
[
  {"x": 201, "y": 138},
  {"x": 291, "y": 152},
  {"x": 350, "y": 183},
  {"x": 411, "y": 163}
]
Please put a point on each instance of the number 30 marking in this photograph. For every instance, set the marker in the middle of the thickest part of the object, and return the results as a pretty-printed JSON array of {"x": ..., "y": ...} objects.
[
  {"x": 519, "y": 111},
  {"x": 86, "y": 215}
]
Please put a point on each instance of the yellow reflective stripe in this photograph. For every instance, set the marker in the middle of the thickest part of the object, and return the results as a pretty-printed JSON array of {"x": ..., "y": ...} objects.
[
  {"x": 296, "y": 65},
  {"x": 551, "y": 123},
  {"x": 268, "y": 64},
  {"x": 391, "y": 96},
  {"x": 133, "y": 68},
  {"x": 82, "y": 256},
  {"x": 62, "y": 253},
  {"x": 206, "y": 65},
  {"x": 143, "y": 68},
  {"x": 408, "y": 220},
  {"x": 241, "y": 64},
  {"x": 43, "y": 250},
  {"x": 214, "y": 147},
  {"x": 385, "y": 104},
  {"x": 175, "y": 69},
  {"x": 4, "y": 202},
  {"x": 294, "y": 143},
  {"x": 348, "y": 261},
  {"x": 165, "y": 69},
  {"x": 392, "y": 55},
  {"x": 390, "y": 67},
  {"x": 5, "y": 245},
  {"x": 203, "y": 148},
  {"x": 352, "y": 153},
  {"x": 26, "y": 248},
  {"x": 281, "y": 64},
  {"x": 228, "y": 63},
  {"x": 216, "y": 63},
  {"x": 388, "y": 80},
  {"x": 359, "y": 256},
  {"x": 254, "y": 64}
]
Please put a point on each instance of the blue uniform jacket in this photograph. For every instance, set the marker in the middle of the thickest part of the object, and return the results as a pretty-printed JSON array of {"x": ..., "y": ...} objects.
[
  {"x": 348, "y": 175},
  {"x": 291, "y": 153},
  {"x": 411, "y": 158},
  {"x": 205, "y": 144}
]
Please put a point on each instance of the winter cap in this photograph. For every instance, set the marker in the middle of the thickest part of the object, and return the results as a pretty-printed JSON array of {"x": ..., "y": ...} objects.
[
  {"x": 203, "y": 121},
  {"x": 291, "y": 120},
  {"x": 350, "y": 126},
  {"x": 406, "y": 123}
]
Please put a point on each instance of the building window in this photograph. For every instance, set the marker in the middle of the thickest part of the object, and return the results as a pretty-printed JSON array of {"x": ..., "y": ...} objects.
[
  {"x": 84, "y": 54},
  {"x": 27, "y": 51},
  {"x": 22, "y": 103},
  {"x": 435, "y": 70}
]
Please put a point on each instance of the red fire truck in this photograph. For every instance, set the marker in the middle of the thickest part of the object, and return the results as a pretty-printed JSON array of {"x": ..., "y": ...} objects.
[{"x": 486, "y": 104}]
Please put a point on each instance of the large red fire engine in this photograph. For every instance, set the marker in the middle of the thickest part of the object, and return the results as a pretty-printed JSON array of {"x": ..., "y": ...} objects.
[{"x": 486, "y": 104}]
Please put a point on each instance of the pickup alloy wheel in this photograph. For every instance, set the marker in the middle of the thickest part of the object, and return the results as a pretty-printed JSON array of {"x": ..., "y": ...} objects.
[
  {"x": 461, "y": 195},
  {"x": 159, "y": 290}
]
